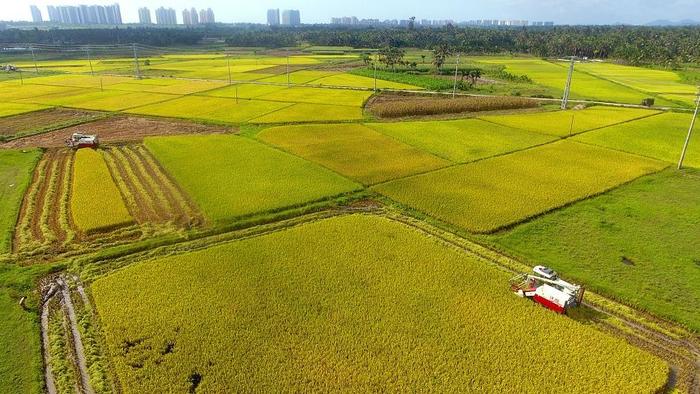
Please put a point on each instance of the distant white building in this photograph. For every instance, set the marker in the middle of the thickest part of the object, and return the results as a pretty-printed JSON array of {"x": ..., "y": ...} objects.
[
  {"x": 36, "y": 14},
  {"x": 291, "y": 18},
  {"x": 166, "y": 16},
  {"x": 144, "y": 16},
  {"x": 273, "y": 17}
]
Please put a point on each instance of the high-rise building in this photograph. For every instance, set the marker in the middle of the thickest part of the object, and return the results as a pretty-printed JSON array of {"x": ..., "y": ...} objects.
[
  {"x": 144, "y": 16},
  {"x": 206, "y": 16},
  {"x": 273, "y": 17},
  {"x": 194, "y": 16},
  {"x": 186, "y": 17},
  {"x": 166, "y": 16},
  {"x": 36, "y": 14},
  {"x": 291, "y": 18},
  {"x": 86, "y": 15}
]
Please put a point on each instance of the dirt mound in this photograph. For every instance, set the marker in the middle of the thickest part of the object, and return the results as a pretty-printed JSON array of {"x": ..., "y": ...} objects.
[{"x": 117, "y": 129}]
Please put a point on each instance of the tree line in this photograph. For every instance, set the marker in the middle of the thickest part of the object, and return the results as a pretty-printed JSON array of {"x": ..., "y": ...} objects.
[{"x": 668, "y": 46}]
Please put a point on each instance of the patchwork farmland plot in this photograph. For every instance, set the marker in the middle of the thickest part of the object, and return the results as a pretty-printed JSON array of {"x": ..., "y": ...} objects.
[
  {"x": 9, "y": 109},
  {"x": 461, "y": 140},
  {"x": 95, "y": 202},
  {"x": 353, "y": 150},
  {"x": 292, "y": 310},
  {"x": 108, "y": 100},
  {"x": 494, "y": 193},
  {"x": 564, "y": 123},
  {"x": 302, "y": 113},
  {"x": 229, "y": 176},
  {"x": 660, "y": 137},
  {"x": 38, "y": 122},
  {"x": 584, "y": 85},
  {"x": 351, "y": 98},
  {"x": 358, "y": 81},
  {"x": 244, "y": 91},
  {"x": 646, "y": 79},
  {"x": 618, "y": 243},
  {"x": 214, "y": 109},
  {"x": 15, "y": 174}
]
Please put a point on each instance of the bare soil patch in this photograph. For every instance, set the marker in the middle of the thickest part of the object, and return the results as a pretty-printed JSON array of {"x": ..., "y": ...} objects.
[
  {"x": 117, "y": 129},
  {"x": 47, "y": 120}
]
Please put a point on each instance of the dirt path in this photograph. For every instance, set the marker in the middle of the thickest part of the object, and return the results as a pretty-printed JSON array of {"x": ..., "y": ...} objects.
[
  {"x": 48, "y": 373},
  {"x": 117, "y": 129},
  {"x": 77, "y": 342}
]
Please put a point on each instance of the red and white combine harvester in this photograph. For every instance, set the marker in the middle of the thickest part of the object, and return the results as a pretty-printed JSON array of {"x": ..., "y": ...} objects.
[
  {"x": 78, "y": 140},
  {"x": 546, "y": 288}
]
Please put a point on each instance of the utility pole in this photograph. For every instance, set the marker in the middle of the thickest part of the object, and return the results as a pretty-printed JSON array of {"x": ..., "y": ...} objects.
[
  {"x": 137, "y": 70},
  {"x": 92, "y": 72},
  {"x": 690, "y": 131},
  {"x": 454, "y": 87},
  {"x": 228, "y": 63},
  {"x": 567, "y": 89},
  {"x": 36, "y": 68},
  {"x": 21, "y": 80},
  {"x": 374, "y": 63},
  {"x": 288, "y": 81}
]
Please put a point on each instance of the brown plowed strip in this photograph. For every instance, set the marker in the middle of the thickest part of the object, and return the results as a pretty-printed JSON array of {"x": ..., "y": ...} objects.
[
  {"x": 164, "y": 208},
  {"x": 189, "y": 210},
  {"x": 41, "y": 197},
  {"x": 143, "y": 211},
  {"x": 176, "y": 211},
  {"x": 54, "y": 217},
  {"x": 150, "y": 193},
  {"x": 26, "y": 202},
  {"x": 42, "y": 120},
  {"x": 118, "y": 129},
  {"x": 164, "y": 201}
]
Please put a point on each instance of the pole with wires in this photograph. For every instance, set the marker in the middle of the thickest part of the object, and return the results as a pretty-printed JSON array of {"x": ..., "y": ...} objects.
[
  {"x": 454, "y": 87},
  {"x": 376, "y": 59},
  {"x": 137, "y": 70},
  {"x": 36, "y": 68},
  {"x": 21, "y": 79},
  {"x": 288, "y": 80},
  {"x": 228, "y": 63},
  {"x": 567, "y": 89},
  {"x": 690, "y": 132},
  {"x": 92, "y": 71}
]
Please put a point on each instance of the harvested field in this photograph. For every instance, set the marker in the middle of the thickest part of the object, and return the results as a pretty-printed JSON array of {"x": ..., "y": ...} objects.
[
  {"x": 150, "y": 195},
  {"x": 42, "y": 121},
  {"x": 118, "y": 129},
  {"x": 44, "y": 220},
  {"x": 395, "y": 106}
]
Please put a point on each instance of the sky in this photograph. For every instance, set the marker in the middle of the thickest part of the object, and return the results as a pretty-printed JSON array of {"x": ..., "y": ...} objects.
[{"x": 320, "y": 11}]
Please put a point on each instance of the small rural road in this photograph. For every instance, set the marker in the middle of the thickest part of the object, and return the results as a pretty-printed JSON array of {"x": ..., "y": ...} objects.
[{"x": 77, "y": 342}]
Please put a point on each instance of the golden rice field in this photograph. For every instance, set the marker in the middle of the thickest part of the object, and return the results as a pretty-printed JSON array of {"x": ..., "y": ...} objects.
[
  {"x": 565, "y": 123},
  {"x": 355, "y": 302},
  {"x": 461, "y": 140},
  {"x": 95, "y": 202},
  {"x": 495, "y": 193},
  {"x": 353, "y": 150}
]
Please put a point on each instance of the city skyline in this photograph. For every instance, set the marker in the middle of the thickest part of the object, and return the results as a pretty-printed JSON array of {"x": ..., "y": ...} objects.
[{"x": 317, "y": 11}]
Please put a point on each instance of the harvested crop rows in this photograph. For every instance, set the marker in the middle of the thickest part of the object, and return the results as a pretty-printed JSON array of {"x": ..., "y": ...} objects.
[
  {"x": 150, "y": 195},
  {"x": 44, "y": 221}
]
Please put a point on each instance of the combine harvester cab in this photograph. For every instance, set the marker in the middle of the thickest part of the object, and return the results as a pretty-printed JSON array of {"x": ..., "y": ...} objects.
[
  {"x": 547, "y": 289},
  {"x": 78, "y": 140}
]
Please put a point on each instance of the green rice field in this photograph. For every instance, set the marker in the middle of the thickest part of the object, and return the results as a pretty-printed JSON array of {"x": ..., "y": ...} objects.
[
  {"x": 230, "y": 176},
  {"x": 15, "y": 174}
]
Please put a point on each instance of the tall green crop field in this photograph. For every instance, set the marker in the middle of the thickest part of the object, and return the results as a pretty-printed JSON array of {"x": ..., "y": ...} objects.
[
  {"x": 230, "y": 176},
  {"x": 15, "y": 174}
]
